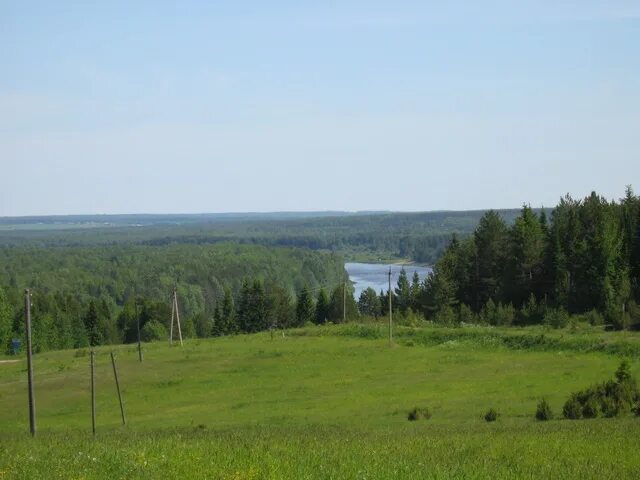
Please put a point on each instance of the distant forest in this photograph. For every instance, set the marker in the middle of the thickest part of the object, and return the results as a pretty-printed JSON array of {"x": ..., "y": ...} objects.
[
  {"x": 91, "y": 285},
  {"x": 420, "y": 237},
  {"x": 89, "y": 295}
]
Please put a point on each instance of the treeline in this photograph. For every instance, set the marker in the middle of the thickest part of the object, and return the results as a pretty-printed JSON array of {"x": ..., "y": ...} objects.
[
  {"x": 418, "y": 236},
  {"x": 583, "y": 260},
  {"x": 61, "y": 321},
  {"x": 85, "y": 296}
]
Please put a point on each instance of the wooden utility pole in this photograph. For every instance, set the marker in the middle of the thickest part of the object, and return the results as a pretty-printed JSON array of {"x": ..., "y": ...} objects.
[
  {"x": 390, "y": 312},
  {"x": 344, "y": 301},
  {"x": 138, "y": 326},
  {"x": 175, "y": 313},
  {"x": 93, "y": 394},
  {"x": 115, "y": 374},
  {"x": 32, "y": 399}
]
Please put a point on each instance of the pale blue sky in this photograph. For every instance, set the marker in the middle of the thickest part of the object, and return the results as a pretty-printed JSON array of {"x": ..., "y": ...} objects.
[{"x": 260, "y": 106}]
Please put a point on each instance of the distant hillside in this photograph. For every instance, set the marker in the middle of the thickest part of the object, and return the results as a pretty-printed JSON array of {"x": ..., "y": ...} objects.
[{"x": 419, "y": 236}]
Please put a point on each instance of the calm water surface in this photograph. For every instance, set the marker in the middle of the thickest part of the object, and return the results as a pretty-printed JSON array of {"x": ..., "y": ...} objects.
[{"x": 375, "y": 275}]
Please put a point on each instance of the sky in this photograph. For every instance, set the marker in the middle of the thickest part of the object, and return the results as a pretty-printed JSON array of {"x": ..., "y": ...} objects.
[{"x": 227, "y": 106}]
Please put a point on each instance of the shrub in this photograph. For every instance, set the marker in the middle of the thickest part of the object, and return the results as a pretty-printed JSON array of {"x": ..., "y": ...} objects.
[
  {"x": 556, "y": 317},
  {"x": 531, "y": 312},
  {"x": 572, "y": 408},
  {"x": 488, "y": 312},
  {"x": 610, "y": 408},
  {"x": 594, "y": 317},
  {"x": 153, "y": 330},
  {"x": 491, "y": 415},
  {"x": 81, "y": 352},
  {"x": 445, "y": 316},
  {"x": 590, "y": 408},
  {"x": 466, "y": 315},
  {"x": 634, "y": 314},
  {"x": 623, "y": 373},
  {"x": 497, "y": 314},
  {"x": 611, "y": 398},
  {"x": 618, "y": 319},
  {"x": 543, "y": 411},
  {"x": 419, "y": 414}
]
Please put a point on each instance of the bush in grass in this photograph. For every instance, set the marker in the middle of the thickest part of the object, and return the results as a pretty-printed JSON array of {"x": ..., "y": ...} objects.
[
  {"x": 419, "y": 413},
  {"x": 466, "y": 315},
  {"x": 543, "y": 411},
  {"x": 499, "y": 314},
  {"x": 153, "y": 330},
  {"x": 594, "y": 317},
  {"x": 618, "y": 319},
  {"x": 623, "y": 373},
  {"x": 531, "y": 313},
  {"x": 590, "y": 408},
  {"x": 610, "y": 398},
  {"x": 572, "y": 408},
  {"x": 556, "y": 317},
  {"x": 610, "y": 407},
  {"x": 491, "y": 415},
  {"x": 445, "y": 316}
]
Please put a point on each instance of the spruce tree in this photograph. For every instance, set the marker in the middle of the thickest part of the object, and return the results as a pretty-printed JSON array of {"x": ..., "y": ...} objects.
[
  {"x": 403, "y": 291},
  {"x": 322, "y": 307},
  {"x": 217, "y": 328},
  {"x": 91, "y": 324},
  {"x": 5, "y": 322},
  {"x": 244, "y": 307},
  {"x": 227, "y": 314},
  {"x": 305, "y": 311}
]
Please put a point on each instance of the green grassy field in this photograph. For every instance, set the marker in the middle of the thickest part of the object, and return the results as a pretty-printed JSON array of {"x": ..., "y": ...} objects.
[{"x": 324, "y": 402}]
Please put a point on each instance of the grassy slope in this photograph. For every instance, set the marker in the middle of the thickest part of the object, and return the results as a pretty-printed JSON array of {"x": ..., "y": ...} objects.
[{"x": 321, "y": 403}]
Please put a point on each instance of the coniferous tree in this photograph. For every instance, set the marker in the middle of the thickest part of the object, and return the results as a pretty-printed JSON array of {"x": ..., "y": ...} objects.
[
  {"x": 403, "y": 291},
  {"x": 416, "y": 287},
  {"x": 369, "y": 303},
  {"x": 281, "y": 311},
  {"x": 217, "y": 329},
  {"x": 5, "y": 322},
  {"x": 322, "y": 307},
  {"x": 635, "y": 260},
  {"x": 91, "y": 325},
  {"x": 336, "y": 305},
  {"x": 227, "y": 314},
  {"x": 305, "y": 311},
  {"x": 527, "y": 256},
  {"x": 491, "y": 240},
  {"x": 244, "y": 307},
  {"x": 383, "y": 299},
  {"x": 258, "y": 318}
]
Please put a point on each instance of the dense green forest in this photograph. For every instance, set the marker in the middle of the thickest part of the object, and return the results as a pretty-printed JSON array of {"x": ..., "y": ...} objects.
[
  {"x": 363, "y": 236},
  {"x": 88, "y": 295},
  {"x": 584, "y": 261}
]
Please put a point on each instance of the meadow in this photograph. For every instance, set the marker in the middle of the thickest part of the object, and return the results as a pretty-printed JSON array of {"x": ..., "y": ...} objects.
[{"x": 325, "y": 402}]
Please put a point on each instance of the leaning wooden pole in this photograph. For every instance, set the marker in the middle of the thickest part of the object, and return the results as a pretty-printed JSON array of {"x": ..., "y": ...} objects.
[
  {"x": 115, "y": 374},
  {"x": 32, "y": 398},
  {"x": 175, "y": 300},
  {"x": 173, "y": 310},
  {"x": 93, "y": 393}
]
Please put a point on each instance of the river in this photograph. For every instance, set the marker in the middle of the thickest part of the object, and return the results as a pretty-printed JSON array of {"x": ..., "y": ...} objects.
[{"x": 375, "y": 275}]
